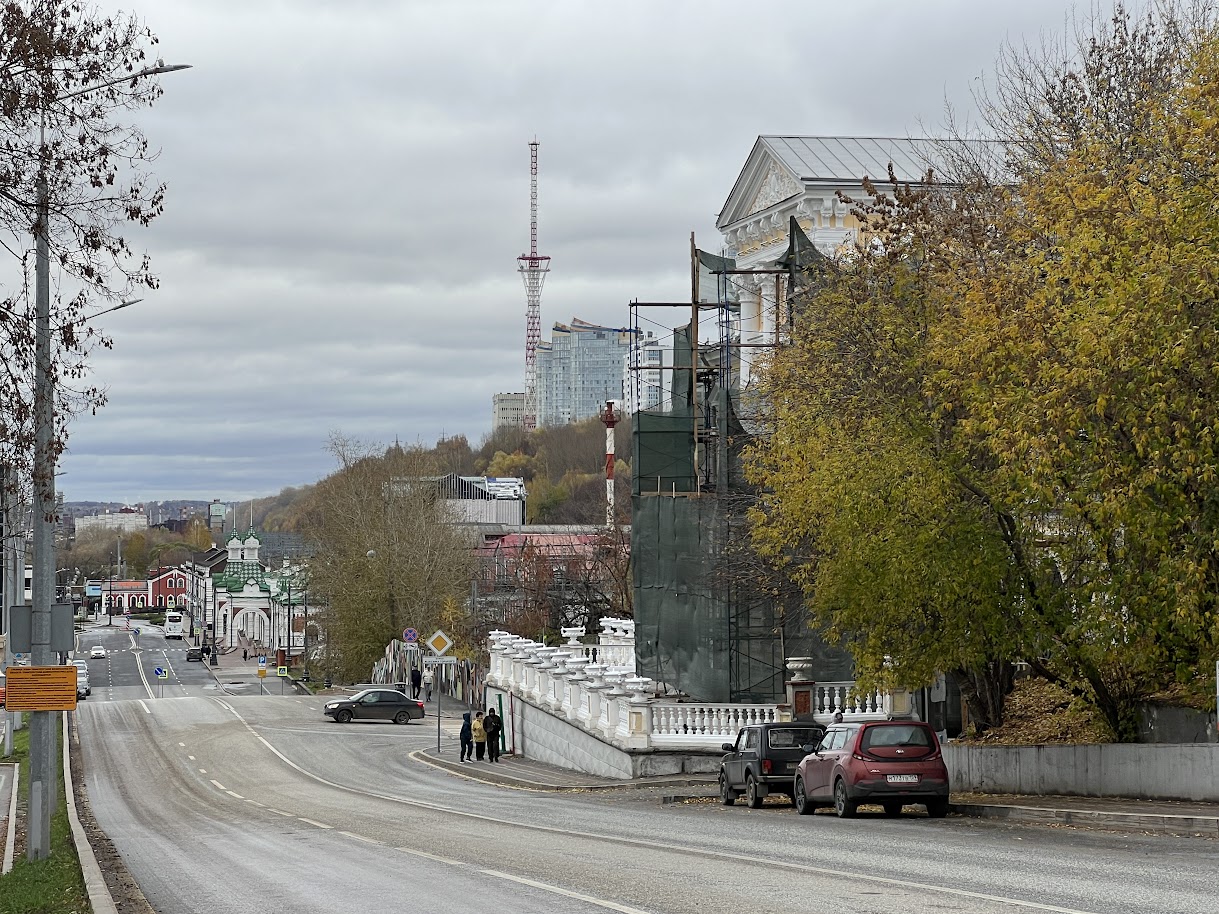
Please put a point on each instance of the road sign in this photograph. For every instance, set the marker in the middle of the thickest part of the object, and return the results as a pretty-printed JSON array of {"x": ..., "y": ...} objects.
[
  {"x": 410, "y": 635},
  {"x": 160, "y": 673},
  {"x": 262, "y": 672},
  {"x": 439, "y": 642},
  {"x": 262, "y": 661},
  {"x": 282, "y": 671},
  {"x": 40, "y": 688},
  {"x": 439, "y": 661}
]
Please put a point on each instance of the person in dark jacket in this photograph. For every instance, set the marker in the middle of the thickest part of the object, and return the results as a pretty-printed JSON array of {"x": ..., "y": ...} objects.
[
  {"x": 494, "y": 727},
  {"x": 416, "y": 682},
  {"x": 467, "y": 738}
]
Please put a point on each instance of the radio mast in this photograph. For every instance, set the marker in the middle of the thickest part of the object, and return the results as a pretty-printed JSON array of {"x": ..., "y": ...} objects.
[{"x": 533, "y": 268}]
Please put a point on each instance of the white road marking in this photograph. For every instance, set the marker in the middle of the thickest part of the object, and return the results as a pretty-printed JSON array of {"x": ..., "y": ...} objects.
[
  {"x": 237, "y": 795},
  {"x": 203, "y": 771},
  {"x": 415, "y": 853},
  {"x": 312, "y": 822},
  {"x": 219, "y": 785},
  {"x": 191, "y": 757},
  {"x": 588, "y": 899},
  {"x": 351, "y": 834},
  {"x": 183, "y": 745},
  {"x": 676, "y": 848},
  {"x": 256, "y": 803},
  {"x": 280, "y": 812},
  {"x": 144, "y": 706}
]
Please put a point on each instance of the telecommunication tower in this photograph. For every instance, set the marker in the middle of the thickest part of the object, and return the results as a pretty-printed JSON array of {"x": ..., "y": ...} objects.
[{"x": 533, "y": 268}]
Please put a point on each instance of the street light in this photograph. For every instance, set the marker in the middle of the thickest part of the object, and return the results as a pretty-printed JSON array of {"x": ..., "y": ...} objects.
[{"x": 43, "y": 466}]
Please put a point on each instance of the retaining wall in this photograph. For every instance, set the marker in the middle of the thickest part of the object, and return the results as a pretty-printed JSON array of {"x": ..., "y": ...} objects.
[
  {"x": 1153, "y": 772},
  {"x": 537, "y": 734}
]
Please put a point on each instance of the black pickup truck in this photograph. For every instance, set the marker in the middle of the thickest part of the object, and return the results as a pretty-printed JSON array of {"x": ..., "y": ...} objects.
[{"x": 763, "y": 760}]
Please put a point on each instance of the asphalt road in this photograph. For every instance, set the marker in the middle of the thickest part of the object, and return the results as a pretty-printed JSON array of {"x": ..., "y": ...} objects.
[{"x": 243, "y": 804}]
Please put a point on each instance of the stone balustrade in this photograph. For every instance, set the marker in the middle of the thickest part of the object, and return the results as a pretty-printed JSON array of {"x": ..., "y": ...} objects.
[{"x": 594, "y": 687}]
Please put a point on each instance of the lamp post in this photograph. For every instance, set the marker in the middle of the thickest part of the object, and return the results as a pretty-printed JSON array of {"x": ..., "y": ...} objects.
[{"x": 43, "y": 782}]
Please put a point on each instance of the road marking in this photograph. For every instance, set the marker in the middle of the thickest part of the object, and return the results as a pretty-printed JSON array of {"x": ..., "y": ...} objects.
[
  {"x": 237, "y": 795},
  {"x": 588, "y": 899},
  {"x": 660, "y": 845},
  {"x": 256, "y": 803},
  {"x": 351, "y": 834},
  {"x": 218, "y": 784},
  {"x": 415, "y": 853},
  {"x": 312, "y": 822},
  {"x": 147, "y": 710},
  {"x": 183, "y": 745},
  {"x": 280, "y": 812},
  {"x": 203, "y": 771},
  {"x": 191, "y": 757}
]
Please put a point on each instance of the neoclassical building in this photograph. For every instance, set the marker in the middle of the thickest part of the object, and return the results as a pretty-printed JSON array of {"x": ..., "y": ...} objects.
[{"x": 805, "y": 177}]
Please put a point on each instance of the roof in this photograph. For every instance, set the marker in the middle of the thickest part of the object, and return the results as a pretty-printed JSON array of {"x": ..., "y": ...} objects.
[{"x": 846, "y": 158}]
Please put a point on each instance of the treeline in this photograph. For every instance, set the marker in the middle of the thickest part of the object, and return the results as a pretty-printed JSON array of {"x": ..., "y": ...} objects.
[{"x": 993, "y": 437}]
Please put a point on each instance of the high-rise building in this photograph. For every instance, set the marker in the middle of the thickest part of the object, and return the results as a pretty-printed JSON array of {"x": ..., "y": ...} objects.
[
  {"x": 647, "y": 384},
  {"x": 507, "y": 410},
  {"x": 581, "y": 367}
]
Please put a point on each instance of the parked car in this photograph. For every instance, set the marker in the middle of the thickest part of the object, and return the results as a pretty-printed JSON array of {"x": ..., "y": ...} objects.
[
  {"x": 97, "y": 652},
  {"x": 82, "y": 683},
  {"x": 890, "y": 762},
  {"x": 763, "y": 760},
  {"x": 375, "y": 704},
  {"x": 194, "y": 653},
  {"x": 82, "y": 669}
]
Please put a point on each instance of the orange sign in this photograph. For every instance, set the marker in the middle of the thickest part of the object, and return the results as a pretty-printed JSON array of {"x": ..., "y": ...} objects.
[{"x": 41, "y": 688}]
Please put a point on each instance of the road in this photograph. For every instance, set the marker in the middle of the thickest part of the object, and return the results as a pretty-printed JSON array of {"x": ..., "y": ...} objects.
[
  {"x": 244, "y": 803},
  {"x": 128, "y": 671}
]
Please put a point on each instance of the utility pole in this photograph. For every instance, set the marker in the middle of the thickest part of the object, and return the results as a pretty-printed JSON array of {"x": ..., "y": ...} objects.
[{"x": 533, "y": 268}]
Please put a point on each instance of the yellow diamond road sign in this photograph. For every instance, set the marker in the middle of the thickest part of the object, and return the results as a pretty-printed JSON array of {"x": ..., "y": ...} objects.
[{"x": 439, "y": 642}]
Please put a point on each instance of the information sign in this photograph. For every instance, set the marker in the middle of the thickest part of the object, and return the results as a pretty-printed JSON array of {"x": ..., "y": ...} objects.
[
  {"x": 40, "y": 688},
  {"x": 439, "y": 661},
  {"x": 262, "y": 661},
  {"x": 282, "y": 671},
  {"x": 262, "y": 672},
  {"x": 160, "y": 673}
]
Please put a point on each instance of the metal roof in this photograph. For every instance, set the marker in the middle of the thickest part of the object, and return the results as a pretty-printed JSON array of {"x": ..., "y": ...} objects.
[{"x": 841, "y": 158}]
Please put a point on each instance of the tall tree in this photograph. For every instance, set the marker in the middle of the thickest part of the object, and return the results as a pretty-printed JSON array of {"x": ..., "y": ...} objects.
[{"x": 67, "y": 75}]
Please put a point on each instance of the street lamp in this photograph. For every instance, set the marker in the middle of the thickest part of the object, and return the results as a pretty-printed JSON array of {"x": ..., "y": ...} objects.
[{"x": 43, "y": 466}]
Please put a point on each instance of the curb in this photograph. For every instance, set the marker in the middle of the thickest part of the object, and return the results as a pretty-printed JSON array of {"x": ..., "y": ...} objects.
[
  {"x": 1155, "y": 822},
  {"x": 100, "y": 899},
  {"x": 497, "y": 779}
]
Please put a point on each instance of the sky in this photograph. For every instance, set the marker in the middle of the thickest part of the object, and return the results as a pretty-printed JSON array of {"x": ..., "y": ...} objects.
[{"x": 349, "y": 191}]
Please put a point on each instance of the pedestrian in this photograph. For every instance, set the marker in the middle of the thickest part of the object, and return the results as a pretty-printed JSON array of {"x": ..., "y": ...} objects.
[
  {"x": 416, "y": 682},
  {"x": 245, "y": 654},
  {"x": 427, "y": 684},
  {"x": 479, "y": 730},
  {"x": 467, "y": 738},
  {"x": 494, "y": 727}
]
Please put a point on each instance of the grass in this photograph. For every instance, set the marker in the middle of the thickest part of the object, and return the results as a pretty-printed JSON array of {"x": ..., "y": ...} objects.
[{"x": 54, "y": 885}]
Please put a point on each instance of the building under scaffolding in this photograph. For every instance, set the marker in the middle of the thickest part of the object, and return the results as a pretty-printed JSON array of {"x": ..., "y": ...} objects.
[{"x": 712, "y": 620}]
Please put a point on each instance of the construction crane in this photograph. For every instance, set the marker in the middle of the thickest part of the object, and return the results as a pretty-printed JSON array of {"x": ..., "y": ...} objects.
[{"x": 533, "y": 268}]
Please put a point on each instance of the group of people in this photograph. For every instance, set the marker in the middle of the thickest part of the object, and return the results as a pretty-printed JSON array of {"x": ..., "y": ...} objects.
[
  {"x": 421, "y": 680},
  {"x": 481, "y": 735}
]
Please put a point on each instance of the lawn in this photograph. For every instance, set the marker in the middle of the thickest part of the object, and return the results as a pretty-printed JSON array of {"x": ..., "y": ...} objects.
[{"x": 51, "y": 886}]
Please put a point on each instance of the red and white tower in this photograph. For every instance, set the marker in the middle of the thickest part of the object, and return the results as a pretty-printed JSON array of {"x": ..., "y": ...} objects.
[
  {"x": 533, "y": 268},
  {"x": 610, "y": 416}
]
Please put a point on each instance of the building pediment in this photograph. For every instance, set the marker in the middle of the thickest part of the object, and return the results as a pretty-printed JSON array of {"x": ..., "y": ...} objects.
[{"x": 763, "y": 182}]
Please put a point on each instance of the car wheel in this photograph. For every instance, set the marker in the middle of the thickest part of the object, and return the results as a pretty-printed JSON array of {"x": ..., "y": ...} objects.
[
  {"x": 343, "y": 716},
  {"x": 937, "y": 809},
  {"x": 843, "y": 805},
  {"x": 753, "y": 799},
  {"x": 804, "y": 806},
  {"x": 893, "y": 810},
  {"x": 402, "y": 718},
  {"x": 727, "y": 794}
]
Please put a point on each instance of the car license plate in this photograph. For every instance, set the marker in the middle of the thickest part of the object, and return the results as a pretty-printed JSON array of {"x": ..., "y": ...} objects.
[{"x": 902, "y": 778}]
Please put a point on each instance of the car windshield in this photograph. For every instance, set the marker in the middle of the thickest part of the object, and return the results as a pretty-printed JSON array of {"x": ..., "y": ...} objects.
[
  {"x": 794, "y": 737},
  {"x": 911, "y": 735}
]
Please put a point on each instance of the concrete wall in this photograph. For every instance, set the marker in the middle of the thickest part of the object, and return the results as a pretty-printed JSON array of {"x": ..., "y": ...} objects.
[
  {"x": 539, "y": 735},
  {"x": 1160, "y": 772}
]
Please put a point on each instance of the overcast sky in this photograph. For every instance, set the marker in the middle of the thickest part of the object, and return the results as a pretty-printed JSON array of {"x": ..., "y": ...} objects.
[{"x": 349, "y": 190}]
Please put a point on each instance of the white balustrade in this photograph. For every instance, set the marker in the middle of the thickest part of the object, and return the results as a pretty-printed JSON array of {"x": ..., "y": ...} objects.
[{"x": 595, "y": 687}]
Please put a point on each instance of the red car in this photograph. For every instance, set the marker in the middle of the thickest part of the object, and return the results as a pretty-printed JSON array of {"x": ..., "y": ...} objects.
[{"x": 888, "y": 762}]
